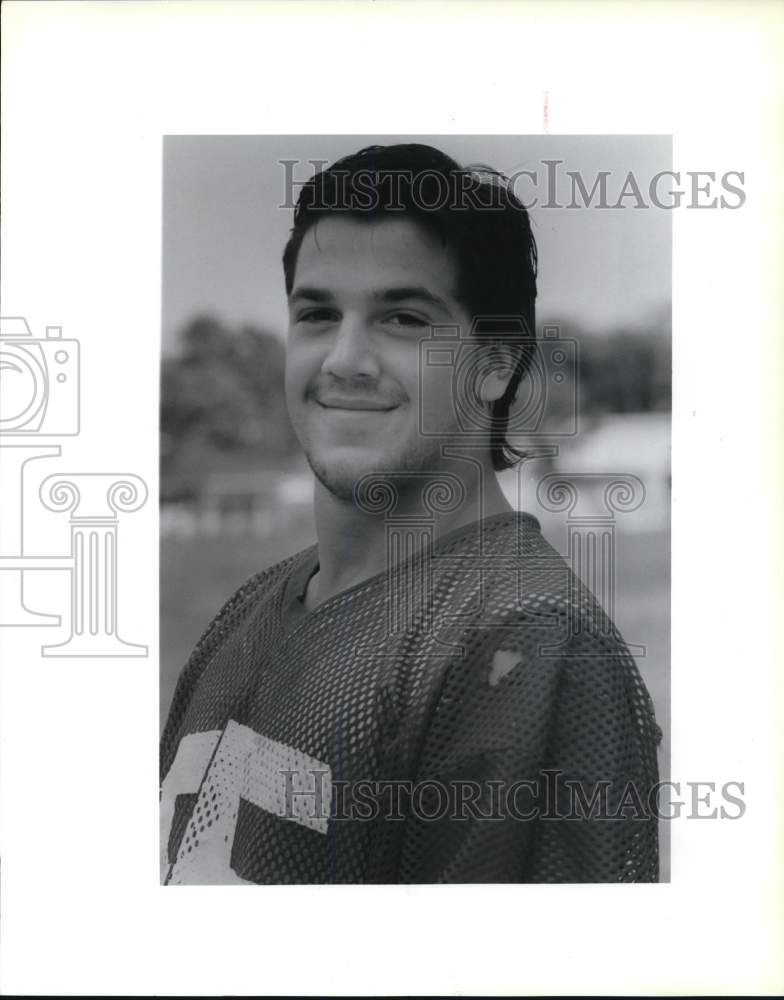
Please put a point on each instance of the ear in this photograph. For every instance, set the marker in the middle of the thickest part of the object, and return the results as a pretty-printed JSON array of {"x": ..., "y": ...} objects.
[{"x": 500, "y": 366}]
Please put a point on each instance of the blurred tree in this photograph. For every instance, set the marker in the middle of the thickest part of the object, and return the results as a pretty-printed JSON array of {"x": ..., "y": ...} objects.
[
  {"x": 626, "y": 370},
  {"x": 222, "y": 393}
]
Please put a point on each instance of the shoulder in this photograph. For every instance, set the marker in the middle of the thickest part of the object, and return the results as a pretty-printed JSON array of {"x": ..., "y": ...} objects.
[
  {"x": 506, "y": 567},
  {"x": 534, "y": 617},
  {"x": 237, "y": 610},
  {"x": 253, "y": 591}
]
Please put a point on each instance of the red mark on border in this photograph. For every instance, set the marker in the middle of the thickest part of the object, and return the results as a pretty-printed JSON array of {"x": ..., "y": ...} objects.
[{"x": 546, "y": 119}]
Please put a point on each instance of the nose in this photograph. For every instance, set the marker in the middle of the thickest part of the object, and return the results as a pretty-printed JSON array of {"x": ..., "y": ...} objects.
[{"x": 351, "y": 352}]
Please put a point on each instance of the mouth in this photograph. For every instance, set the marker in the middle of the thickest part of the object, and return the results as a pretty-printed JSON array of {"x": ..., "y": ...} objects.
[{"x": 355, "y": 406}]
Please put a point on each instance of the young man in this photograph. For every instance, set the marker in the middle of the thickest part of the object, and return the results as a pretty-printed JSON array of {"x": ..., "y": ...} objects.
[{"x": 427, "y": 694}]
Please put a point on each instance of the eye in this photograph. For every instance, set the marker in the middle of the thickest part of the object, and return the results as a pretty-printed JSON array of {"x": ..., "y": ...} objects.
[
  {"x": 319, "y": 315},
  {"x": 406, "y": 319}
]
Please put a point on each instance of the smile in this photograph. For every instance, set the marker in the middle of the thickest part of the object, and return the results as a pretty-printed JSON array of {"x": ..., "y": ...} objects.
[{"x": 356, "y": 406}]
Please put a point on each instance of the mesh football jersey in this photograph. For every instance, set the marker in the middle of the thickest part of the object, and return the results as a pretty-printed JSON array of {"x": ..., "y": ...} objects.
[{"x": 470, "y": 715}]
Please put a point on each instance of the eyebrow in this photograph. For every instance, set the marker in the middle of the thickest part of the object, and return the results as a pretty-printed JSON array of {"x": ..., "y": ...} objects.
[{"x": 400, "y": 293}]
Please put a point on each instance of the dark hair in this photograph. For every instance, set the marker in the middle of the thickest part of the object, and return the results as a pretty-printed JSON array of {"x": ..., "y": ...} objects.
[{"x": 472, "y": 210}]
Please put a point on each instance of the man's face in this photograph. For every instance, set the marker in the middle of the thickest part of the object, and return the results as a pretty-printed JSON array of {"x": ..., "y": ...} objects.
[{"x": 365, "y": 294}]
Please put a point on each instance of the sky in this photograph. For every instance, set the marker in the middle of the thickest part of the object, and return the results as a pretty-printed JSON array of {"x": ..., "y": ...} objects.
[{"x": 224, "y": 227}]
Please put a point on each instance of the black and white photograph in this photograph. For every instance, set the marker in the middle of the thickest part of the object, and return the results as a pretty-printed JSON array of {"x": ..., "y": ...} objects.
[
  {"x": 390, "y": 490},
  {"x": 415, "y": 419}
]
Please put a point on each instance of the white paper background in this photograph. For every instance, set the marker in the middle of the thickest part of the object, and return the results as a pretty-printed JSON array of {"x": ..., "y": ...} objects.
[{"x": 88, "y": 91}]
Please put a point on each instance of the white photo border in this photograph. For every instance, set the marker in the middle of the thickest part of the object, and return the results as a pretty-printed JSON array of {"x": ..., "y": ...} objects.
[{"x": 88, "y": 91}]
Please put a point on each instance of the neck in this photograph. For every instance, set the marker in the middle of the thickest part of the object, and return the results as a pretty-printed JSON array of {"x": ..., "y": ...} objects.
[{"x": 352, "y": 543}]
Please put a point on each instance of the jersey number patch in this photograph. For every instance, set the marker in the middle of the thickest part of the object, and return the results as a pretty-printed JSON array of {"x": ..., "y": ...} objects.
[{"x": 221, "y": 767}]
